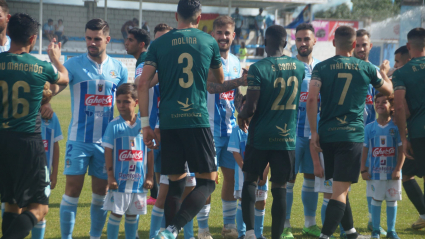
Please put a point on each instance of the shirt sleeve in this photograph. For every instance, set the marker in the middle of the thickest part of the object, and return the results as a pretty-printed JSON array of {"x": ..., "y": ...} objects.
[
  {"x": 51, "y": 72},
  {"x": 108, "y": 136},
  {"x": 234, "y": 141},
  {"x": 315, "y": 75},
  {"x": 398, "y": 83},
  {"x": 375, "y": 77},
  {"x": 254, "y": 78},
  {"x": 58, "y": 131},
  {"x": 151, "y": 57},
  {"x": 216, "y": 59},
  {"x": 124, "y": 75},
  {"x": 67, "y": 65}
]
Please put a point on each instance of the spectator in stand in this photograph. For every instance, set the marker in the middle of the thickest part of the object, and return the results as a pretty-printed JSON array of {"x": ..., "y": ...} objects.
[
  {"x": 146, "y": 27},
  {"x": 260, "y": 25},
  {"x": 127, "y": 26},
  {"x": 59, "y": 32},
  {"x": 49, "y": 30},
  {"x": 238, "y": 24}
]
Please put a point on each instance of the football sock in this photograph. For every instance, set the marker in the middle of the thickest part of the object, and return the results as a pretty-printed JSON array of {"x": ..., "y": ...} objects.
[
  {"x": 259, "y": 222},
  {"x": 278, "y": 209},
  {"x": 229, "y": 211},
  {"x": 154, "y": 189},
  {"x": 38, "y": 231},
  {"x": 97, "y": 215},
  {"x": 172, "y": 200},
  {"x": 248, "y": 201},
  {"x": 131, "y": 227},
  {"x": 156, "y": 219},
  {"x": 67, "y": 213},
  {"x": 239, "y": 221},
  {"x": 202, "y": 218},
  {"x": 287, "y": 223},
  {"x": 8, "y": 218},
  {"x": 163, "y": 224},
  {"x": 194, "y": 202},
  {"x": 21, "y": 226},
  {"x": 289, "y": 200},
  {"x": 376, "y": 214},
  {"x": 309, "y": 198},
  {"x": 415, "y": 195},
  {"x": 113, "y": 227},
  {"x": 391, "y": 215},
  {"x": 347, "y": 220},
  {"x": 188, "y": 230},
  {"x": 334, "y": 213},
  {"x": 323, "y": 210},
  {"x": 369, "y": 207}
]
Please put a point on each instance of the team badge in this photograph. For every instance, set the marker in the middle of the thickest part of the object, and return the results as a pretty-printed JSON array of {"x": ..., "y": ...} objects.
[
  {"x": 373, "y": 188},
  {"x": 140, "y": 204},
  {"x": 235, "y": 69},
  {"x": 382, "y": 140},
  {"x": 68, "y": 163},
  {"x": 328, "y": 183},
  {"x": 113, "y": 74},
  {"x": 46, "y": 122},
  {"x": 392, "y": 192},
  {"x": 99, "y": 87},
  {"x": 392, "y": 131},
  {"x": 112, "y": 199}
]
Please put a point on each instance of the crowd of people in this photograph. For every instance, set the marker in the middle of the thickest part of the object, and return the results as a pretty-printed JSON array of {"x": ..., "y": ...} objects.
[
  {"x": 51, "y": 31},
  {"x": 332, "y": 121}
]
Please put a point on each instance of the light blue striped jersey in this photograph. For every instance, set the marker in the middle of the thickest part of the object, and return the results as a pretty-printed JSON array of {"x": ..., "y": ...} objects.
[
  {"x": 370, "y": 114},
  {"x": 154, "y": 99},
  {"x": 129, "y": 154},
  {"x": 383, "y": 142},
  {"x": 6, "y": 46},
  {"x": 51, "y": 133},
  {"x": 92, "y": 89},
  {"x": 303, "y": 127},
  {"x": 221, "y": 107},
  {"x": 237, "y": 143}
]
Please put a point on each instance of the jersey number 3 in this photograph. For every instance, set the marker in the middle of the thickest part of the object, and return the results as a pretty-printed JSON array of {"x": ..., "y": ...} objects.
[
  {"x": 283, "y": 84},
  {"x": 15, "y": 100},
  {"x": 187, "y": 70}
]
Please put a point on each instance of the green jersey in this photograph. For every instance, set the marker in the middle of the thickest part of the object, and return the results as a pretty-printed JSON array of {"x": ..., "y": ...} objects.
[
  {"x": 141, "y": 58},
  {"x": 411, "y": 78},
  {"x": 183, "y": 58},
  {"x": 22, "y": 80},
  {"x": 345, "y": 82},
  {"x": 279, "y": 80}
]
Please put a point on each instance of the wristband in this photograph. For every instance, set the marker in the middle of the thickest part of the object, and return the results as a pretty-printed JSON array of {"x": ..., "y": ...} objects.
[
  {"x": 364, "y": 171},
  {"x": 145, "y": 121}
]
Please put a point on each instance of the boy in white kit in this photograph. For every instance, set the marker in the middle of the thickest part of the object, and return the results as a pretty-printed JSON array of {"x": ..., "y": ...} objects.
[{"x": 129, "y": 172}]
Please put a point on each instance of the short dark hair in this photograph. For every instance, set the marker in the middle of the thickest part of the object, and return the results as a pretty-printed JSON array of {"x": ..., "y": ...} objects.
[
  {"x": 189, "y": 8},
  {"x": 50, "y": 20},
  {"x": 416, "y": 37},
  {"x": 60, "y": 20},
  {"x": 223, "y": 21},
  {"x": 362, "y": 32},
  {"x": 21, "y": 27},
  {"x": 390, "y": 99},
  {"x": 4, "y": 6},
  {"x": 127, "y": 88},
  {"x": 98, "y": 24},
  {"x": 141, "y": 35},
  {"x": 161, "y": 27},
  {"x": 304, "y": 26},
  {"x": 344, "y": 37},
  {"x": 402, "y": 50},
  {"x": 276, "y": 36}
]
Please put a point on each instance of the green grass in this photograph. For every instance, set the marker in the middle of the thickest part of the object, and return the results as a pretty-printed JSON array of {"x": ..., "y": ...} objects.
[{"x": 61, "y": 104}]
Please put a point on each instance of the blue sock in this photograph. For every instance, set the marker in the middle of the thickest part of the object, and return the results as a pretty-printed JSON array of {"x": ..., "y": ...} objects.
[
  {"x": 323, "y": 211},
  {"x": 259, "y": 222},
  {"x": 37, "y": 232},
  {"x": 97, "y": 215},
  {"x": 289, "y": 199},
  {"x": 309, "y": 198},
  {"x": 156, "y": 219},
  {"x": 202, "y": 218},
  {"x": 67, "y": 213},
  {"x": 2, "y": 209},
  {"x": 188, "y": 230},
  {"x": 163, "y": 223},
  {"x": 239, "y": 221},
  {"x": 131, "y": 227},
  {"x": 113, "y": 228},
  {"x": 376, "y": 214},
  {"x": 229, "y": 211},
  {"x": 369, "y": 207},
  {"x": 391, "y": 215}
]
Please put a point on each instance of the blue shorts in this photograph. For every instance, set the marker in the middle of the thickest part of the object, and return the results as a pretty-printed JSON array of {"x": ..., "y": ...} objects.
[
  {"x": 157, "y": 160},
  {"x": 224, "y": 158},
  {"x": 303, "y": 160},
  {"x": 259, "y": 32},
  {"x": 80, "y": 155}
]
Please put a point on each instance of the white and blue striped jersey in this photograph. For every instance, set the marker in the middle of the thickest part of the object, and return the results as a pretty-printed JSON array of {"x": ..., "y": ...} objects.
[
  {"x": 154, "y": 99},
  {"x": 6, "y": 46},
  {"x": 51, "y": 133},
  {"x": 237, "y": 143},
  {"x": 129, "y": 154},
  {"x": 221, "y": 107},
  {"x": 303, "y": 127},
  {"x": 383, "y": 143},
  {"x": 370, "y": 114},
  {"x": 92, "y": 89}
]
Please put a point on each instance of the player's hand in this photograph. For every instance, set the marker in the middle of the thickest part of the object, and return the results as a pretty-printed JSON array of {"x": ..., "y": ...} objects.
[
  {"x": 385, "y": 67},
  {"x": 244, "y": 77},
  {"x": 157, "y": 132},
  {"x": 54, "y": 50},
  {"x": 262, "y": 182},
  {"x": 112, "y": 183},
  {"x": 148, "y": 183},
  {"x": 315, "y": 141},
  {"x": 148, "y": 137},
  {"x": 365, "y": 175},
  {"x": 407, "y": 149},
  {"x": 396, "y": 175},
  {"x": 46, "y": 111},
  {"x": 53, "y": 180},
  {"x": 243, "y": 124},
  {"x": 318, "y": 171},
  {"x": 391, "y": 72}
]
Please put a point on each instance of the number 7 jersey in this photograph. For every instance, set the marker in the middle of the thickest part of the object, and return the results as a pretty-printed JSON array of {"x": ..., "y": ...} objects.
[{"x": 279, "y": 79}]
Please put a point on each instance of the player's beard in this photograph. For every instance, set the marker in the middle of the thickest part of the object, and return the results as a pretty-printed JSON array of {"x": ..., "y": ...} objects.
[
  {"x": 365, "y": 56},
  {"x": 95, "y": 54},
  {"x": 306, "y": 53}
]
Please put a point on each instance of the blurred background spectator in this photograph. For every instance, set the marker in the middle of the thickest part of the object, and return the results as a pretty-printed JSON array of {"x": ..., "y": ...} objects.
[{"x": 60, "y": 33}]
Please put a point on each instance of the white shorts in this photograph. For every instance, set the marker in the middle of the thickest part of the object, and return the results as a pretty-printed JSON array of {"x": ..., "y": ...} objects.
[
  {"x": 125, "y": 203},
  {"x": 389, "y": 190},
  {"x": 190, "y": 181},
  {"x": 369, "y": 191},
  {"x": 320, "y": 184},
  {"x": 260, "y": 195}
]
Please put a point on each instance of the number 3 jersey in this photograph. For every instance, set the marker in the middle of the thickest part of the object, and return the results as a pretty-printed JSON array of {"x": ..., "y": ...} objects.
[
  {"x": 129, "y": 154},
  {"x": 279, "y": 79},
  {"x": 383, "y": 143},
  {"x": 51, "y": 133},
  {"x": 92, "y": 89}
]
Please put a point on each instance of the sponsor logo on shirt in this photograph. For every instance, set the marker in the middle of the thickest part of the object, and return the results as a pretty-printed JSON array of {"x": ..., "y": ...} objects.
[
  {"x": 369, "y": 100},
  {"x": 229, "y": 95},
  {"x": 304, "y": 95},
  {"x": 383, "y": 152},
  {"x": 129, "y": 176},
  {"x": 46, "y": 145},
  {"x": 185, "y": 106},
  {"x": 283, "y": 132},
  {"x": 342, "y": 121},
  {"x": 129, "y": 155},
  {"x": 98, "y": 100}
]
